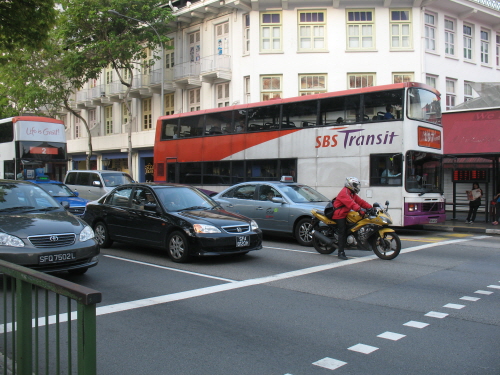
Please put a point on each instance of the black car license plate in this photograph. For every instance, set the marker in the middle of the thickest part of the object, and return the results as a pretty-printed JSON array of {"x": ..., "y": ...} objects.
[
  {"x": 242, "y": 241},
  {"x": 56, "y": 258}
]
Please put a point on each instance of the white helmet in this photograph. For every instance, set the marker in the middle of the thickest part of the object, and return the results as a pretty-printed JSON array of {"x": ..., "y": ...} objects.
[{"x": 352, "y": 183}]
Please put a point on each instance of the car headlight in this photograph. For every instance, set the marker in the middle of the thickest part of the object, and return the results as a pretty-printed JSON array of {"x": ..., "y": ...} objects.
[
  {"x": 202, "y": 228},
  {"x": 8, "y": 240},
  {"x": 254, "y": 225},
  {"x": 86, "y": 234}
]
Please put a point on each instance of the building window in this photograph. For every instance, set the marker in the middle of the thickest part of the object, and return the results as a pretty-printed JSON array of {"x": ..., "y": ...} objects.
[
  {"x": 124, "y": 113},
  {"x": 360, "y": 26},
  {"x": 449, "y": 37},
  {"x": 147, "y": 122},
  {"x": 78, "y": 133},
  {"x": 108, "y": 117},
  {"x": 467, "y": 91},
  {"x": 147, "y": 62},
  {"x": 270, "y": 32},
  {"x": 169, "y": 54},
  {"x": 431, "y": 81},
  {"x": 312, "y": 84},
  {"x": 222, "y": 94},
  {"x": 401, "y": 29},
  {"x": 109, "y": 74},
  {"x": 430, "y": 32},
  {"x": 246, "y": 87},
  {"x": 402, "y": 77},
  {"x": 468, "y": 42},
  {"x": 497, "y": 50},
  {"x": 169, "y": 104},
  {"x": 485, "y": 47},
  {"x": 222, "y": 38},
  {"x": 270, "y": 87},
  {"x": 450, "y": 93},
  {"x": 312, "y": 30},
  {"x": 194, "y": 47},
  {"x": 359, "y": 80},
  {"x": 92, "y": 121},
  {"x": 246, "y": 34},
  {"x": 194, "y": 100}
]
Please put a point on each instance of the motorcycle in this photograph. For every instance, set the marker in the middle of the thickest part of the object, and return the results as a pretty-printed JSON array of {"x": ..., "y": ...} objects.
[{"x": 368, "y": 232}]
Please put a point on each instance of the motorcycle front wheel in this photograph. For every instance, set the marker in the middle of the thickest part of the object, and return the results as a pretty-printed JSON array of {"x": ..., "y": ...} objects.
[
  {"x": 319, "y": 245},
  {"x": 386, "y": 247}
]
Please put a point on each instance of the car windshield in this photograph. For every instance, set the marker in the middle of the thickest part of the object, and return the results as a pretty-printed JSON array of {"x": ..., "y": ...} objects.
[
  {"x": 57, "y": 190},
  {"x": 116, "y": 179},
  {"x": 303, "y": 194},
  {"x": 183, "y": 198},
  {"x": 16, "y": 196}
]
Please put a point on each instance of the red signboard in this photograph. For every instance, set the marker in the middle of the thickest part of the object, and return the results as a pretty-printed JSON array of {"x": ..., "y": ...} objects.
[
  {"x": 429, "y": 137},
  {"x": 44, "y": 150},
  {"x": 472, "y": 132}
]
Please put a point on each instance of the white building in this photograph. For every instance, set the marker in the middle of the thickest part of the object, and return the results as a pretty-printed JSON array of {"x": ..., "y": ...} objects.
[{"x": 239, "y": 51}]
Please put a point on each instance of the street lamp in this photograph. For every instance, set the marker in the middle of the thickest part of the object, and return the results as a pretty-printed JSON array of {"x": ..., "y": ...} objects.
[{"x": 162, "y": 73}]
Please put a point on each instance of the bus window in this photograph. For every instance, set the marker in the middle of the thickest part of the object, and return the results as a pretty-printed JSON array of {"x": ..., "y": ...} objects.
[
  {"x": 192, "y": 126},
  {"x": 385, "y": 169},
  {"x": 377, "y": 103},
  {"x": 424, "y": 105},
  {"x": 339, "y": 110},
  {"x": 300, "y": 115},
  {"x": 169, "y": 129},
  {"x": 264, "y": 118},
  {"x": 6, "y": 132},
  {"x": 219, "y": 123}
]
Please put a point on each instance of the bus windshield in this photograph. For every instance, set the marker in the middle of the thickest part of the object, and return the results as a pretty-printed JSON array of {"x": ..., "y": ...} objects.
[
  {"x": 424, "y": 105},
  {"x": 424, "y": 172}
]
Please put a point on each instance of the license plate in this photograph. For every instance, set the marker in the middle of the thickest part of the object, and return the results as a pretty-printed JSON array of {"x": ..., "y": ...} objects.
[
  {"x": 433, "y": 221},
  {"x": 242, "y": 241},
  {"x": 56, "y": 258}
]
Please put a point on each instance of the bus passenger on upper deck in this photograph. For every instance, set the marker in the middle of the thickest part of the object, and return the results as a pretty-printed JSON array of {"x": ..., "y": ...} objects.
[{"x": 388, "y": 114}]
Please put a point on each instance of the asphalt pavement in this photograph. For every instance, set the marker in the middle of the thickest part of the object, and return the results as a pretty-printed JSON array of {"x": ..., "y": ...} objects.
[{"x": 459, "y": 225}]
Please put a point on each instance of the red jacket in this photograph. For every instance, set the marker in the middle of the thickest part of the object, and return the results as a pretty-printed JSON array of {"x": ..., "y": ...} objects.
[{"x": 346, "y": 201}]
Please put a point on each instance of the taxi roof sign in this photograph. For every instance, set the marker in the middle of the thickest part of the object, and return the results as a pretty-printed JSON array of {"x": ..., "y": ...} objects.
[{"x": 286, "y": 179}]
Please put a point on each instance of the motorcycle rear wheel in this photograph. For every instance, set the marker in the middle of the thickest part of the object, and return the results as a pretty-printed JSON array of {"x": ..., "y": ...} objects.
[
  {"x": 320, "y": 246},
  {"x": 387, "y": 247}
]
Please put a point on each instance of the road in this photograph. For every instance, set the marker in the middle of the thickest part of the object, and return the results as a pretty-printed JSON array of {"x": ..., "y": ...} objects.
[{"x": 287, "y": 310}]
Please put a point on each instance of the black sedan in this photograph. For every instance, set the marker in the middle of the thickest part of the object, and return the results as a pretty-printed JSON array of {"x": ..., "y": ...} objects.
[
  {"x": 37, "y": 232},
  {"x": 180, "y": 219}
]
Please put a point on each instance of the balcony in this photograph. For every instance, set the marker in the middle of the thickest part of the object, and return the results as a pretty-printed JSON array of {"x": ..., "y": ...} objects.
[
  {"x": 187, "y": 75},
  {"x": 216, "y": 68}
]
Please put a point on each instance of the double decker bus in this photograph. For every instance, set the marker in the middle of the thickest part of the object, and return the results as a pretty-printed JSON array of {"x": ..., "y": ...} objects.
[
  {"x": 390, "y": 137},
  {"x": 32, "y": 146}
]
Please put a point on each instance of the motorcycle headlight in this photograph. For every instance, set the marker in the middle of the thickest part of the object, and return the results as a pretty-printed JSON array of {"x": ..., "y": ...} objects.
[
  {"x": 86, "y": 234},
  {"x": 203, "y": 228},
  {"x": 8, "y": 240},
  {"x": 386, "y": 220},
  {"x": 254, "y": 225}
]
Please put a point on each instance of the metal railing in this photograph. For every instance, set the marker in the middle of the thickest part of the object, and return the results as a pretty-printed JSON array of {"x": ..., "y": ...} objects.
[{"x": 37, "y": 337}]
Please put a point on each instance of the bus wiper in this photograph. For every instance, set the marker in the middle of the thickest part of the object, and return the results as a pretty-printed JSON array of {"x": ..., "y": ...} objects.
[
  {"x": 16, "y": 208},
  {"x": 422, "y": 193}
]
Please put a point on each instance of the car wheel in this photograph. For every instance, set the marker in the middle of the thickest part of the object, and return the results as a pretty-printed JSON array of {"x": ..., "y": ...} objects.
[
  {"x": 102, "y": 235},
  {"x": 303, "y": 232},
  {"x": 177, "y": 247},
  {"x": 79, "y": 271}
]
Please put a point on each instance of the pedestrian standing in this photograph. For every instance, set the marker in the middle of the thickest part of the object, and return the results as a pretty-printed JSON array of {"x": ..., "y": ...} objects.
[{"x": 474, "y": 197}]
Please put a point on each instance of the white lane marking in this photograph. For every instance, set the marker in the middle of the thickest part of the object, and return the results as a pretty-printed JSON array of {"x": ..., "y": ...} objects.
[
  {"x": 362, "y": 348},
  {"x": 293, "y": 250},
  {"x": 467, "y": 298},
  {"x": 494, "y": 286},
  {"x": 435, "y": 314},
  {"x": 329, "y": 363},
  {"x": 483, "y": 292},
  {"x": 170, "y": 268},
  {"x": 454, "y": 306},
  {"x": 415, "y": 324},
  {"x": 124, "y": 306},
  {"x": 391, "y": 336}
]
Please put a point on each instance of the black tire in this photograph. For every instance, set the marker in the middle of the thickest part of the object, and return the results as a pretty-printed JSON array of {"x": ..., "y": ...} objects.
[
  {"x": 303, "y": 232},
  {"x": 102, "y": 235},
  {"x": 78, "y": 271},
  {"x": 177, "y": 247},
  {"x": 387, "y": 247},
  {"x": 320, "y": 246}
]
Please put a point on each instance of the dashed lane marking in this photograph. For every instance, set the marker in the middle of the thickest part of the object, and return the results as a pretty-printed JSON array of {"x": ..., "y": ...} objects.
[
  {"x": 435, "y": 314},
  {"x": 415, "y": 324},
  {"x": 494, "y": 286},
  {"x": 391, "y": 336},
  {"x": 467, "y": 298},
  {"x": 329, "y": 363},
  {"x": 362, "y": 348},
  {"x": 454, "y": 306},
  {"x": 483, "y": 292}
]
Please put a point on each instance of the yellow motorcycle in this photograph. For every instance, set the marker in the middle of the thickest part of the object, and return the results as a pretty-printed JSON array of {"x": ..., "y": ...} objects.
[{"x": 369, "y": 232}]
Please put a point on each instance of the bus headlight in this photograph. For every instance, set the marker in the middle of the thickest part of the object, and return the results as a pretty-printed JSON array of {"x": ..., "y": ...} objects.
[{"x": 412, "y": 207}]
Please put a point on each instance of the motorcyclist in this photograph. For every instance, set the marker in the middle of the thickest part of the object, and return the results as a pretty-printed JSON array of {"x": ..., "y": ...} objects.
[{"x": 347, "y": 200}]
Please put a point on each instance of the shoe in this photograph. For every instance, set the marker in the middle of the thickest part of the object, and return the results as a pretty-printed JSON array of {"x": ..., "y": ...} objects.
[
  {"x": 342, "y": 256},
  {"x": 471, "y": 222},
  {"x": 467, "y": 221},
  {"x": 495, "y": 223}
]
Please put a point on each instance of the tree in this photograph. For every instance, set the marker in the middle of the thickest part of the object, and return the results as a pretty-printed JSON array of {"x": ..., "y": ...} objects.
[
  {"x": 95, "y": 39},
  {"x": 25, "y": 24}
]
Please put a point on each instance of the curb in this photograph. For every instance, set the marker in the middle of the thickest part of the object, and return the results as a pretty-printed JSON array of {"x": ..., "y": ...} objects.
[{"x": 461, "y": 229}]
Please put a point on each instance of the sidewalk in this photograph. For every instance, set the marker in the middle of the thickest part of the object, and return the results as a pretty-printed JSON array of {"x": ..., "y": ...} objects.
[{"x": 459, "y": 225}]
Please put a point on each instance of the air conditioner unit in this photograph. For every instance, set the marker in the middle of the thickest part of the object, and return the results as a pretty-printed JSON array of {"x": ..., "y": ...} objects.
[{"x": 103, "y": 94}]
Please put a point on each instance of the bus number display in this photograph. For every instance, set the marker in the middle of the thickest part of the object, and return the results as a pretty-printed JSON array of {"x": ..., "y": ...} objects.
[{"x": 44, "y": 150}]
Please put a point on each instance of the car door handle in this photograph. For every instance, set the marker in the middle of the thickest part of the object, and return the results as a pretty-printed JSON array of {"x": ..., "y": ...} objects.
[
  {"x": 259, "y": 208},
  {"x": 230, "y": 206}
]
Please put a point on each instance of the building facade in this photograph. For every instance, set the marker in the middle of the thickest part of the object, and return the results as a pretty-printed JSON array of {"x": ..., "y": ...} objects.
[{"x": 226, "y": 52}]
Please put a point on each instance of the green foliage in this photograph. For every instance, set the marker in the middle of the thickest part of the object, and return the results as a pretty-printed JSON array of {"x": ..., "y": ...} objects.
[{"x": 25, "y": 24}]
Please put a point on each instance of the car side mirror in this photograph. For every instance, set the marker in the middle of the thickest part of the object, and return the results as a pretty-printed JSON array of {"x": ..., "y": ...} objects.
[
  {"x": 278, "y": 200},
  {"x": 76, "y": 194},
  {"x": 96, "y": 183},
  {"x": 65, "y": 204},
  {"x": 152, "y": 207}
]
